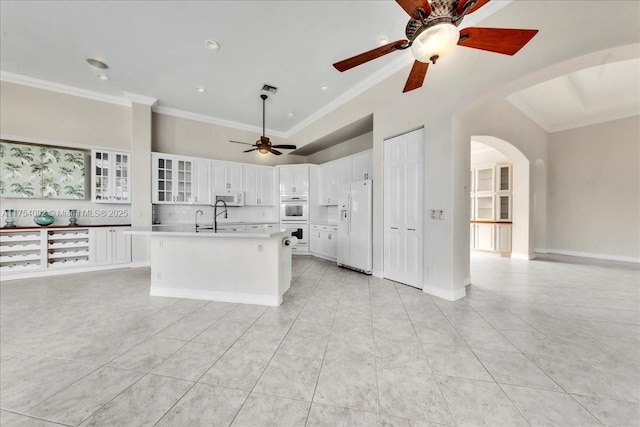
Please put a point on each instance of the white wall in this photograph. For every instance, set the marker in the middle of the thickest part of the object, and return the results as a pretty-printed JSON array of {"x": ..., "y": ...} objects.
[
  {"x": 594, "y": 190},
  {"x": 351, "y": 146},
  {"x": 486, "y": 157},
  {"x": 175, "y": 135}
]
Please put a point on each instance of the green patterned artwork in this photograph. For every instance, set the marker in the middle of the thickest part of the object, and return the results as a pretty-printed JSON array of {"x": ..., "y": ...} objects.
[{"x": 41, "y": 172}]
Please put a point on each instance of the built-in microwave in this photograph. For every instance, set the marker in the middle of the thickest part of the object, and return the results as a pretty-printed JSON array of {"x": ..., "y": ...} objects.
[
  {"x": 231, "y": 199},
  {"x": 294, "y": 208}
]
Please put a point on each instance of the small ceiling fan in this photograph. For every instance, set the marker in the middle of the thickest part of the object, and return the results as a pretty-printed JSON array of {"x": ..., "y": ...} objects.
[
  {"x": 432, "y": 32},
  {"x": 263, "y": 145}
]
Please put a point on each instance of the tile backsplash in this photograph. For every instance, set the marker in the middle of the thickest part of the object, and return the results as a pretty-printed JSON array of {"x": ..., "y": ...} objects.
[{"x": 185, "y": 214}]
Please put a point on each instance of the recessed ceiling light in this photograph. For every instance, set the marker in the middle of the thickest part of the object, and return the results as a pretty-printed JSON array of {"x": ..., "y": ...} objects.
[
  {"x": 382, "y": 40},
  {"x": 212, "y": 44},
  {"x": 200, "y": 89},
  {"x": 98, "y": 64},
  {"x": 290, "y": 115},
  {"x": 102, "y": 76},
  {"x": 324, "y": 87}
]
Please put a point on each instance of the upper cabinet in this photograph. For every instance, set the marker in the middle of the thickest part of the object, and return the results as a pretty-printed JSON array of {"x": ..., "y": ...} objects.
[
  {"x": 258, "y": 182},
  {"x": 294, "y": 179},
  {"x": 111, "y": 176},
  {"x": 226, "y": 177},
  {"x": 42, "y": 172},
  {"x": 362, "y": 167},
  {"x": 491, "y": 187},
  {"x": 180, "y": 180},
  {"x": 335, "y": 178}
]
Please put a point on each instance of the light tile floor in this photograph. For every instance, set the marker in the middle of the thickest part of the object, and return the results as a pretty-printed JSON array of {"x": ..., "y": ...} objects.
[{"x": 548, "y": 342}]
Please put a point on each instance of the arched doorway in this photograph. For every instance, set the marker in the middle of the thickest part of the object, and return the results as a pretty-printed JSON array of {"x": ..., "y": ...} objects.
[{"x": 521, "y": 203}]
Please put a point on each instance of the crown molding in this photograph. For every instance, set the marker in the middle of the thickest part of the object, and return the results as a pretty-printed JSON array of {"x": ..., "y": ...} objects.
[
  {"x": 60, "y": 88},
  {"x": 141, "y": 99},
  {"x": 174, "y": 112}
]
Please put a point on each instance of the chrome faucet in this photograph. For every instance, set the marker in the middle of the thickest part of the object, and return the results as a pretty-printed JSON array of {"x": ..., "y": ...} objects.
[
  {"x": 215, "y": 214},
  {"x": 201, "y": 213}
]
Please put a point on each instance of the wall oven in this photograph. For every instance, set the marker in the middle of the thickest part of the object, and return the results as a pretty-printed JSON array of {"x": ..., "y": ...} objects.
[
  {"x": 294, "y": 208},
  {"x": 299, "y": 230}
]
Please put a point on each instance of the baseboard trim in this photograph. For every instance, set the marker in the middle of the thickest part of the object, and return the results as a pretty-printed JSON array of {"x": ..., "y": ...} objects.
[
  {"x": 541, "y": 250},
  {"x": 59, "y": 272},
  {"x": 593, "y": 255},
  {"x": 377, "y": 273},
  {"x": 467, "y": 281},
  {"x": 444, "y": 293},
  {"x": 322, "y": 256},
  {"x": 140, "y": 264},
  {"x": 526, "y": 257},
  {"x": 270, "y": 300}
]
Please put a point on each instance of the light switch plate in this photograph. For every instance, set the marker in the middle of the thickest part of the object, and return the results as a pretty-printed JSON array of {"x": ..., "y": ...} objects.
[
  {"x": 433, "y": 214},
  {"x": 440, "y": 214}
]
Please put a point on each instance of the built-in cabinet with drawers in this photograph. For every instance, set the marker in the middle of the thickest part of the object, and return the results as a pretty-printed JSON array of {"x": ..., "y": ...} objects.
[
  {"x": 490, "y": 207},
  {"x": 111, "y": 176},
  {"x": 39, "y": 251},
  {"x": 323, "y": 241}
]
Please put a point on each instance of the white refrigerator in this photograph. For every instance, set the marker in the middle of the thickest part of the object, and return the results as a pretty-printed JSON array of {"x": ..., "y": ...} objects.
[{"x": 355, "y": 227}]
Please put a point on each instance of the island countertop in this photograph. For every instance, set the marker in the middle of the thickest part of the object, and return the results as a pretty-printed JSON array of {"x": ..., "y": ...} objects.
[{"x": 190, "y": 231}]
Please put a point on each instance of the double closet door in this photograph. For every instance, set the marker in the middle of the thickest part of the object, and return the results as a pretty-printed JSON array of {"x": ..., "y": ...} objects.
[{"x": 403, "y": 208}]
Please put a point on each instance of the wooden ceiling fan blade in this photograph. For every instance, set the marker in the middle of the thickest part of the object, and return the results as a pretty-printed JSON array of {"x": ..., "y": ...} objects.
[
  {"x": 475, "y": 7},
  {"x": 249, "y": 150},
  {"x": 507, "y": 41},
  {"x": 287, "y": 147},
  {"x": 416, "y": 76},
  {"x": 276, "y": 152},
  {"x": 372, "y": 54},
  {"x": 238, "y": 142},
  {"x": 411, "y": 6}
]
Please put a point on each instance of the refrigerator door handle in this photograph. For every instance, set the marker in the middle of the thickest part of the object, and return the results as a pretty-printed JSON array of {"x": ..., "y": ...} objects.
[{"x": 349, "y": 215}]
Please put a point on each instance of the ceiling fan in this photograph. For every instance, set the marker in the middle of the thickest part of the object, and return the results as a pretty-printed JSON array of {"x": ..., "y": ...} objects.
[
  {"x": 263, "y": 145},
  {"x": 432, "y": 32}
]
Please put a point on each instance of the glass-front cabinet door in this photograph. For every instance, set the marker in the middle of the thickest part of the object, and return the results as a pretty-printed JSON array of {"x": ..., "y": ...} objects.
[
  {"x": 184, "y": 181},
  {"x": 121, "y": 177},
  {"x": 101, "y": 167},
  {"x": 164, "y": 191},
  {"x": 111, "y": 176}
]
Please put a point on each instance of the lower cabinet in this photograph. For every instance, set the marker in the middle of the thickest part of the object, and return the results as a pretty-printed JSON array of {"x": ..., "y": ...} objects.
[
  {"x": 323, "y": 241},
  {"x": 491, "y": 237},
  {"x": 109, "y": 245}
]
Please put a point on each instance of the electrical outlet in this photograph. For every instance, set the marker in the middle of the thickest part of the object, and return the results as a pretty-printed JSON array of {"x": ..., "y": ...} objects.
[
  {"x": 433, "y": 214},
  {"x": 440, "y": 214}
]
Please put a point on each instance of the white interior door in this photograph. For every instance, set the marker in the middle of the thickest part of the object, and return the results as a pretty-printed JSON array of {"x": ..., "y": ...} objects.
[{"x": 403, "y": 201}]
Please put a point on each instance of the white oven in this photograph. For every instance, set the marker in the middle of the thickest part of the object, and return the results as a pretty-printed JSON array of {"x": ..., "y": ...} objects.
[
  {"x": 294, "y": 208},
  {"x": 299, "y": 230}
]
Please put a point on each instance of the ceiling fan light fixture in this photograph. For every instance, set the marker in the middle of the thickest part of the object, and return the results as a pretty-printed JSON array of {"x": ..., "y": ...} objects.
[
  {"x": 263, "y": 150},
  {"x": 435, "y": 42}
]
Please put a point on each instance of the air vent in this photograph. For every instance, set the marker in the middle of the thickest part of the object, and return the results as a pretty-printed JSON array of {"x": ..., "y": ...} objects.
[{"x": 269, "y": 88}]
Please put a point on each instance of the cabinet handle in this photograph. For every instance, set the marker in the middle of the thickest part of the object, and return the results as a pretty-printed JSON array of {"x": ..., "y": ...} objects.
[
  {"x": 294, "y": 189},
  {"x": 394, "y": 228},
  {"x": 411, "y": 229},
  {"x": 329, "y": 236},
  {"x": 196, "y": 199}
]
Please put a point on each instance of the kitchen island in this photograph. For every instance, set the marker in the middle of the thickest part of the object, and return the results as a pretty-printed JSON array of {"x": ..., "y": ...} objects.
[{"x": 243, "y": 266}]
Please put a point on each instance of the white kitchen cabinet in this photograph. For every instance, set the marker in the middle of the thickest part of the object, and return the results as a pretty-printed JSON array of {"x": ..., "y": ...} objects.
[
  {"x": 294, "y": 179},
  {"x": 362, "y": 166},
  {"x": 227, "y": 176},
  {"x": 202, "y": 183},
  {"x": 323, "y": 241},
  {"x": 503, "y": 177},
  {"x": 485, "y": 237},
  {"x": 335, "y": 179},
  {"x": 109, "y": 246},
  {"x": 503, "y": 237},
  {"x": 484, "y": 208},
  {"x": 173, "y": 179},
  {"x": 258, "y": 182},
  {"x": 110, "y": 176},
  {"x": 484, "y": 179}
]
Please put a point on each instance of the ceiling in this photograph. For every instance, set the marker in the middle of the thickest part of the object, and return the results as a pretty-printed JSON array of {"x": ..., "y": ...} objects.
[
  {"x": 157, "y": 49},
  {"x": 593, "y": 95}
]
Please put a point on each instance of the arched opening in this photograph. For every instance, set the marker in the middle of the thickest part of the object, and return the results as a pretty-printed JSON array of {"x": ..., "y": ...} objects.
[{"x": 521, "y": 195}]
